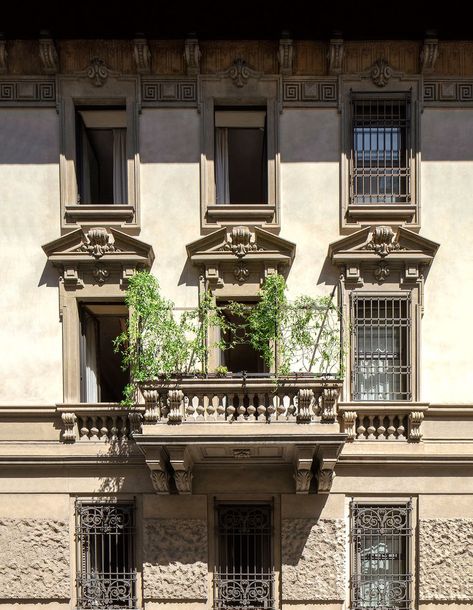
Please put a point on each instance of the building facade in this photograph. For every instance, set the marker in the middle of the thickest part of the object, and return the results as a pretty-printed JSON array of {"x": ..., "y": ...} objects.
[{"x": 347, "y": 167}]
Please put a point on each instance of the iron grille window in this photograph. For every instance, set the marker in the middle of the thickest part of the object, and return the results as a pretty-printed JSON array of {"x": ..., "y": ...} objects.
[
  {"x": 380, "y": 163},
  {"x": 380, "y": 541},
  {"x": 106, "y": 577},
  {"x": 244, "y": 575},
  {"x": 381, "y": 353}
]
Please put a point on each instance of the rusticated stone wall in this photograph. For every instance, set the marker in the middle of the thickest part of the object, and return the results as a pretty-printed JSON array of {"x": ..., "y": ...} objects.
[
  {"x": 446, "y": 559},
  {"x": 313, "y": 559},
  {"x": 175, "y": 559},
  {"x": 34, "y": 559}
]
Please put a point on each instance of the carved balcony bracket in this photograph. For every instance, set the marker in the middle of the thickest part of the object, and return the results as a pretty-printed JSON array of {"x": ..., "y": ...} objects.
[
  {"x": 69, "y": 421},
  {"x": 192, "y": 56},
  {"x": 48, "y": 54},
  {"x": 3, "y": 56},
  {"x": 181, "y": 463},
  {"x": 160, "y": 474},
  {"x": 429, "y": 55},
  {"x": 335, "y": 56},
  {"x": 286, "y": 55},
  {"x": 305, "y": 405},
  {"x": 303, "y": 474},
  {"x": 415, "y": 420},
  {"x": 328, "y": 404},
  {"x": 142, "y": 55},
  {"x": 325, "y": 478}
]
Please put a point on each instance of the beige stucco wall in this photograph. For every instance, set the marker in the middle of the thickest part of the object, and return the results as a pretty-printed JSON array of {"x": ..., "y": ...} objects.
[{"x": 30, "y": 332}]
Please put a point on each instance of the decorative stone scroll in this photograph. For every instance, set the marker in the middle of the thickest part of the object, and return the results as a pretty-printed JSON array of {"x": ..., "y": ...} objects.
[
  {"x": 240, "y": 241},
  {"x": 429, "y": 55},
  {"x": 240, "y": 72},
  {"x": 328, "y": 404},
  {"x": 142, "y": 55},
  {"x": 383, "y": 241},
  {"x": 381, "y": 73},
  {"x": 335, "y": 56},
  {"x": 97, "y": 242},
  {"x": 48, "y": 54},
  {"x": 97, "y": 71},
  {"x": 192, "y": 56},
  {"x": 286, "y": 55}
]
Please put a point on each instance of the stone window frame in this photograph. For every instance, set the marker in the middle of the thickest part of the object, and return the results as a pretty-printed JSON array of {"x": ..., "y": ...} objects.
[
  {"x": 398, "y": 85},
  {"x": 412, "y": 554},
  {"x": 74, "y": 91},
  {"x": 261, "y": 91}
]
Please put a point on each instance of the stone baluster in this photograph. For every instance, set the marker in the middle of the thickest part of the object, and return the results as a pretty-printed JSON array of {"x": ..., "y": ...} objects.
[
  {"x": 94, "y": 431},
  {"x": 189, "y": 407},
  {"x": 231, "y": 411},
  {"x": 401, "y": 431},
  {"x": 221, "y": 406},
  {"x": 391, "y": 430},
  {"x": 241, "y": 410},
  {"x": 212, "y": 404},
  {"x": 361, "y": 431},
  {"x": 102, "y": 422},
  {"x": 114, "y": 428},
  {"x": 261, "y": 409},
  {"x": 381, "y": 429},
  {"x": 200, "y": 407},
  {"x": 84, "y": 428},
  {"x": 290, "y": 406},
  {"x": 279, "y": 407},
  {"x": 251, "y": 409},
  {"x": 371, "y": 428}
]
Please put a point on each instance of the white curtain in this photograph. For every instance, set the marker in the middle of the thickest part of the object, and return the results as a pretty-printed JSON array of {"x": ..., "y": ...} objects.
[
  {"x": 120, "y": 186},
  {"x": 91, "y": 365},
  {"x": 379, "y": 363},
  {"x": 221, "y": 165},
  {"x": 86, "y": 152}
]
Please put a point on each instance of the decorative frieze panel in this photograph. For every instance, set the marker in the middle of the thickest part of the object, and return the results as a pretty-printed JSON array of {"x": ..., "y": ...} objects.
[
  {"x": 28, "y": 92},
  {"x": 175, "y": 559},
  {"x": 310, "y": 92},
  {"x": 169, "y": 92},
  {"x": 448, "y": 91},
  {"x": 388, "y": 424},
  {"x": 34, "y": 559},
  {"x": 446, "y": 560},
  {"x": 313, "y": 559},
  {"x": 261, "y": 55}
]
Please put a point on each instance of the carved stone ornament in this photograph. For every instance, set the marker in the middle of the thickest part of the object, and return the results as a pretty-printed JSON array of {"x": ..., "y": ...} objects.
[
  {"x": 429, "y": 55},
  {"x": 382, "y": 271},
  {"x": 383, "y": 241},
  {"x": 303, "y": 478},
  {"x": 241, "y": 272},
  {"x": 241, "y": 241},
  {"x": 415, "y": 420},
  {"x": 69, "y": 422},
  {"x": 160, "y": 481},
  {"x": 286, "y": 56},
  {"x": 48, "y": 55},
  {"x": 241, "y": 453},
  {"x": 305, "y": 405},
  {"x": 175, "y": 398},
  {"x": 324, "y": 480},
  {"x": 97, "y": 242},
  {"x": 3, "y": 56},
  {"x": 192, "y": 56},
  {"x": 328, "y": 404},
  {"x": 381, "y": 72},
  {"x": 97, "y": 71},
  {"x": 142, "y": 55},
  {"x": 349, "y": 424},
  {"x": 335, "y": 56},
  {"x": 183, "y": 480},
  {"x": 240, "y": 72},
  {"x": 101, "y": 274}
]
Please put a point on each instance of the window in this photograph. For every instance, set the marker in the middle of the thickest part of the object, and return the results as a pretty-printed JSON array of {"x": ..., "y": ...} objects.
[
  {"x": 244, "y": 575},
  {"x": 102, "y": 378},
  {"x": 381, "y": 152},
  {"x": 241, "y": 158},
  {"x": 101, "y": 156},
  {"x": 380, "y": 546},
  {"x": 106, "y": 576},
  {"x": 381, "y": 348}
]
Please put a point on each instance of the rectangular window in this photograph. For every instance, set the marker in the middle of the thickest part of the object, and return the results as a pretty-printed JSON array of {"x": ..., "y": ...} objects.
[
  {"x": 102, "y": 378},
  {"x": 241, "y": 157},
  {"x": 380, "y": 546},
  {"x": 381, "y": 366},
  {"x": 244, "y": 574},
  {"x": 101, "y": 156},
  {"x": 106, "y": 575},
  {"x": 380, "y": 158}
]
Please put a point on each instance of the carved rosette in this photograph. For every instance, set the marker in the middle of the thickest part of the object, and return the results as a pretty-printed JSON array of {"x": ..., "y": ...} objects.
[
  {"x": 240, "y": 242},
  {"x": 97, "y": 71},
  {"x": 100, "y": 273},
  {"x": 328, "y": 404},
  {"x": 175, "y": 400},
  {"x": 335, "y": 56},
  {"x": 381, "y": 73},
  {"x": 97, "y": 242},
  {"x": 415, "y": 420},
  {"x": 69, "y": 422},
  {"x": 192, "y": 56},
  {"x": 305, "y": 405},
  {"x": 142, "y": 55},
  {"x": 383, "y": 241}
]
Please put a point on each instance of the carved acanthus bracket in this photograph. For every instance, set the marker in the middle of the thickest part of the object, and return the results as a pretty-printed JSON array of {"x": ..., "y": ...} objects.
[
  {"x": 305, "y": 405},
  {"x": 383, "y": 241},
  {"x": 142, "y": 55},
  {"x": 326, "y": 461},
  {"x": 328, "y": 404},
  {"x": 382, "y": 271},
  {"x": 325, "y": 478},
  {"x": 429, "y": 55},
  {"x": 97, "y": 242},
  {"x": 415, "y": 420},
  {"x": 97, "y": 71},
  {"x": 181, "y": 463},
  {"x": 240, "y": 72},
  {"x": 335, "y": 56},
  {"x": 3, "y": 56},
  {"x": 48, "y": 54},
  {"x": 240, "y": 241},
  {"x": 381, "y": 73},
  {"x": 286, "y": 55},
  {"x": 160, "y": 480},
  {"x": 303, "y": 474},
  {"x": 192, "y": 56}
]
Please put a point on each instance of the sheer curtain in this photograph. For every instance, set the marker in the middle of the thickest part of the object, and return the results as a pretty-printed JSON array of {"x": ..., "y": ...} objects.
[
  {"x": 120, "y": 187},
  {"x": 221, "y": 165},
  {"x": 379, "y": 363},
  {"x": 91, "y": 364},
  {"x": 85, "y": 174}
]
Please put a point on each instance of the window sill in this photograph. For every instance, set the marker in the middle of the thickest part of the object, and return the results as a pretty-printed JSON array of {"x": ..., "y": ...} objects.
[
  {"x": 381, "y": 212},
  {"x": 241, "y": 213},
  {"x": 100, "y": 213}
]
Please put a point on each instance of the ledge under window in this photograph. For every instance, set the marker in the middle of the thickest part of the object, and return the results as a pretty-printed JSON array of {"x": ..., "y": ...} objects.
[
  {"x": 100, "y": 213},
  {"x": 241, "y": 213},
  {"x": 381, "y": 213}
]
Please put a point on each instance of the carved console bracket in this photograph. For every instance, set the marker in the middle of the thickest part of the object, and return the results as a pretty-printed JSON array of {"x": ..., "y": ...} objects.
[
  {"x": 328, "y": 404},
  {"x": 327, "y": 457},
  {"x": 286, "y": 55},
  {"x": 3, "y": 55},
  {"x": 142, "y": 55},
  {"x": 382, "y": 423},
  {"x": 48, "y": 54},
  {"x": 335, "y": 56},
  {"x": 429, "y": 54},
  {"x": 303, "y": 462},
  {"x": 171, "y": 469},
  {"x": 192, "y": 56}
]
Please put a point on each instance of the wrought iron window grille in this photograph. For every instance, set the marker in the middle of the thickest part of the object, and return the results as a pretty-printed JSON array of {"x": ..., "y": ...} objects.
[
  {"x": 380, "y": 164},
  {"x": 106, "y": 576},
  {"x": 381, "y": 354},
  {"x": 244, "y": 575},
  {"x": 380, "y": 546}
]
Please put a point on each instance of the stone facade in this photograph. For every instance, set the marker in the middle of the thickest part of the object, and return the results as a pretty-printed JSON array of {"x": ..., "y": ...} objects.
[
  {"x": 313, "y": 559},
  {"x": 34, "y": 559},
  {"x": 175, "y": 559},
  {"x": 446, "y": 560}
]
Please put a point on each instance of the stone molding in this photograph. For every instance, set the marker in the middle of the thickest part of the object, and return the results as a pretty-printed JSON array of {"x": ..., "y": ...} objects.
[
  {"x": 396, "y": 422},
  {"x": 169, "y": 92},
  {"x": 28, "y": 91},
  {"x": 175, "y": 559},
  {"x": 447, "y": 92},
  {"x": 310, "y": 92},
  {"x": 98, "y": 422},
  {"x": 446, "y": 560}
]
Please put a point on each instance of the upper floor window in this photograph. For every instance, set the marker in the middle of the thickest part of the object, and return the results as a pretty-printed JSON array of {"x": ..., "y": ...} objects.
[
  {"x": 380, "y": 547},
  {"x": 381, "y": 367},
  {"x": 101, "y": 155},
  {"x": 380, "y": 171},
  {"x": 106, "y": 575},
  {"x": 241, "y": 157}
]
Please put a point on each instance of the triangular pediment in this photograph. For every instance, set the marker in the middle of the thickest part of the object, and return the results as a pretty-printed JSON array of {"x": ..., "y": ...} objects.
[
  {"x": 241, "y": 242},
  {"x": 383, "y": 242},
  {"x": 99, "y": 243}
]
